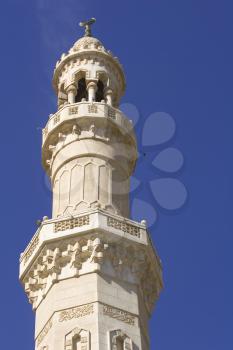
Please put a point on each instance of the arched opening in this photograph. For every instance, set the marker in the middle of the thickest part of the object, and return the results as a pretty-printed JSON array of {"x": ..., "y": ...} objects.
[
  {"x": 62, "y": 96},
  {"x": 119, "y": 343},
  {"x": 76, "y": 343},
  {"x": 100, "y": 91},
  {"x": 77, "y": 339},
  {"x": 82, "y": 90}
]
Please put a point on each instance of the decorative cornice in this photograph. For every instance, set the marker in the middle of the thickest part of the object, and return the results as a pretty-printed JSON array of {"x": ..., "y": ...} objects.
[
  {"x": 30, "y": 248},
  {"x": 98, "y": 219},
  {"x": 44, "y": 332},
  {"x": 81, "y": 255}
]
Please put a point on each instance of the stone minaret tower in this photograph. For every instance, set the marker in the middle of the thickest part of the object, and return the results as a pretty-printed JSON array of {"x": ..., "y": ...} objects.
[{"x": 91, "y": 274}]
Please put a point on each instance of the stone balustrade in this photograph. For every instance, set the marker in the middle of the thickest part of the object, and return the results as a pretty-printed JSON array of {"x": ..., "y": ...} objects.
[
  {"x": 55, "y": 229},
  {"x": 86, "y": 109}
]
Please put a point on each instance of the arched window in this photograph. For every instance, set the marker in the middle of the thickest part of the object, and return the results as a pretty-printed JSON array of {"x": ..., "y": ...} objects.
[
  {"x": 119, "y": 343},
  {"x": 82, "y": 90},
  {"x": 100, "y": 91},
  {"x": 76, "y": 344},
  {"x": 78, "y": 339}
]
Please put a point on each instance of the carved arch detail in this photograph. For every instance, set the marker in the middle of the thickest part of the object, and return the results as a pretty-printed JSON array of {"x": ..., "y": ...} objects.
[
  {"x": 78, "y": 74},
  {"x": 82, "y": 185},
  {"x": 77, "y": 337},
  {"x": 103, "y": 76},
  {"x": 120, "y": 341}
]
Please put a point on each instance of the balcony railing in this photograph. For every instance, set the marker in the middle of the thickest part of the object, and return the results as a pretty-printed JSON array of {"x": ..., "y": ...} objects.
[{"x": 87, "y": 109}]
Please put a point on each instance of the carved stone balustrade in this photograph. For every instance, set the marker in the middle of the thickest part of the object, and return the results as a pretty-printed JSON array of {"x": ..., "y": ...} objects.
[{"x": 76, "y": 111}]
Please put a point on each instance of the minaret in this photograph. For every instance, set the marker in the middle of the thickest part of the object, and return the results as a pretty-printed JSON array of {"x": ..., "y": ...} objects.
[{"x": 91, "y": 274}]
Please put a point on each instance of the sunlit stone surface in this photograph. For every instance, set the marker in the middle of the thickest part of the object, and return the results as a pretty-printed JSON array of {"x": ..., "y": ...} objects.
[{"x": 91, "y": 274}]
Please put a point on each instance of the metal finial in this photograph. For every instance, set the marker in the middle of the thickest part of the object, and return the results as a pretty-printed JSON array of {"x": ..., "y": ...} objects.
[{"x": 87, "y": 25}]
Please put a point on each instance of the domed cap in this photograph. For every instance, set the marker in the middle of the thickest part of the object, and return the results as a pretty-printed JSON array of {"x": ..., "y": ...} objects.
[
  {"x": 87, "y": 43},
  {"x": 84, "y": 48}
]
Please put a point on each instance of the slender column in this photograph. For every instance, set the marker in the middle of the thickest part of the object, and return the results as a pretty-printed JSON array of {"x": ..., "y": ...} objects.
[
  {"x": 71, "y": 93},
  {"x": 108, "y": 95},
  {"x": 91, "y": 88}
]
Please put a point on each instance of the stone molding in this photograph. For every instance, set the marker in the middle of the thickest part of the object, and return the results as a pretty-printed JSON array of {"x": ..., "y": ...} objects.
[
  {"x": 30, "y": 248},
  {"x": 44, "y": 332}
]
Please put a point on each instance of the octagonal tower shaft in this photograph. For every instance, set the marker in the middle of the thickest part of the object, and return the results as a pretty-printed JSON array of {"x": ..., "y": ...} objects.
[{"x": 91, "y": 274}]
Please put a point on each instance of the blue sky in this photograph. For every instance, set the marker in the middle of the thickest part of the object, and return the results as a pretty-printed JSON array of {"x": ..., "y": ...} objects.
[{"x": 178, "y": 57}]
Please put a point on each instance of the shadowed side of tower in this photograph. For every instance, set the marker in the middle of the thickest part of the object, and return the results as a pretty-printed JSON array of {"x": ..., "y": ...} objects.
[{"x": 91, "y": 274}]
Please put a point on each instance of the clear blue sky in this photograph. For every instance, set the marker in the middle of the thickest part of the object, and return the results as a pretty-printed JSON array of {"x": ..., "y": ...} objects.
[{"x": 178, "y": 57}]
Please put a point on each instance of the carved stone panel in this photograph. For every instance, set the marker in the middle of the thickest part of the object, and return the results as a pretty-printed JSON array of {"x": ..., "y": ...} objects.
[
  {"x": 76, "y": 312},
  {"x": 90, "y": 183},
  {"x": 76, "y": 181},
  {"x": 80, "y": 185},
  {"x": 118, "y": 314},
  {"x": 71, "y": 223}
]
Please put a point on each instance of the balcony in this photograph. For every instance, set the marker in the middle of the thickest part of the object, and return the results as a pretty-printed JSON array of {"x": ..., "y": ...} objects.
[{"x": 91, "y": 110}]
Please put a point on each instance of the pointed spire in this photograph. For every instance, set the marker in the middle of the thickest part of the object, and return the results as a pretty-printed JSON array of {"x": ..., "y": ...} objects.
[{"x": 87, "y": 24}]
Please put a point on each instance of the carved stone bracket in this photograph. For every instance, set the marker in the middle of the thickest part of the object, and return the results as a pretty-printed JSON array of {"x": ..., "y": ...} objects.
[{"x": 77, "y": 256}]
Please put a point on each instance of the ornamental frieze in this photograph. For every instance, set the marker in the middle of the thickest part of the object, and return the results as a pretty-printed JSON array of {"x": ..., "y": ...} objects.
[
  {"x": 76, "y": 312},
  {"x": 79, "y": 256},
  {"x": 44, "y": 332},
  {"x": 31, "y": 248},
  {"x": 118, "y": 314}
]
